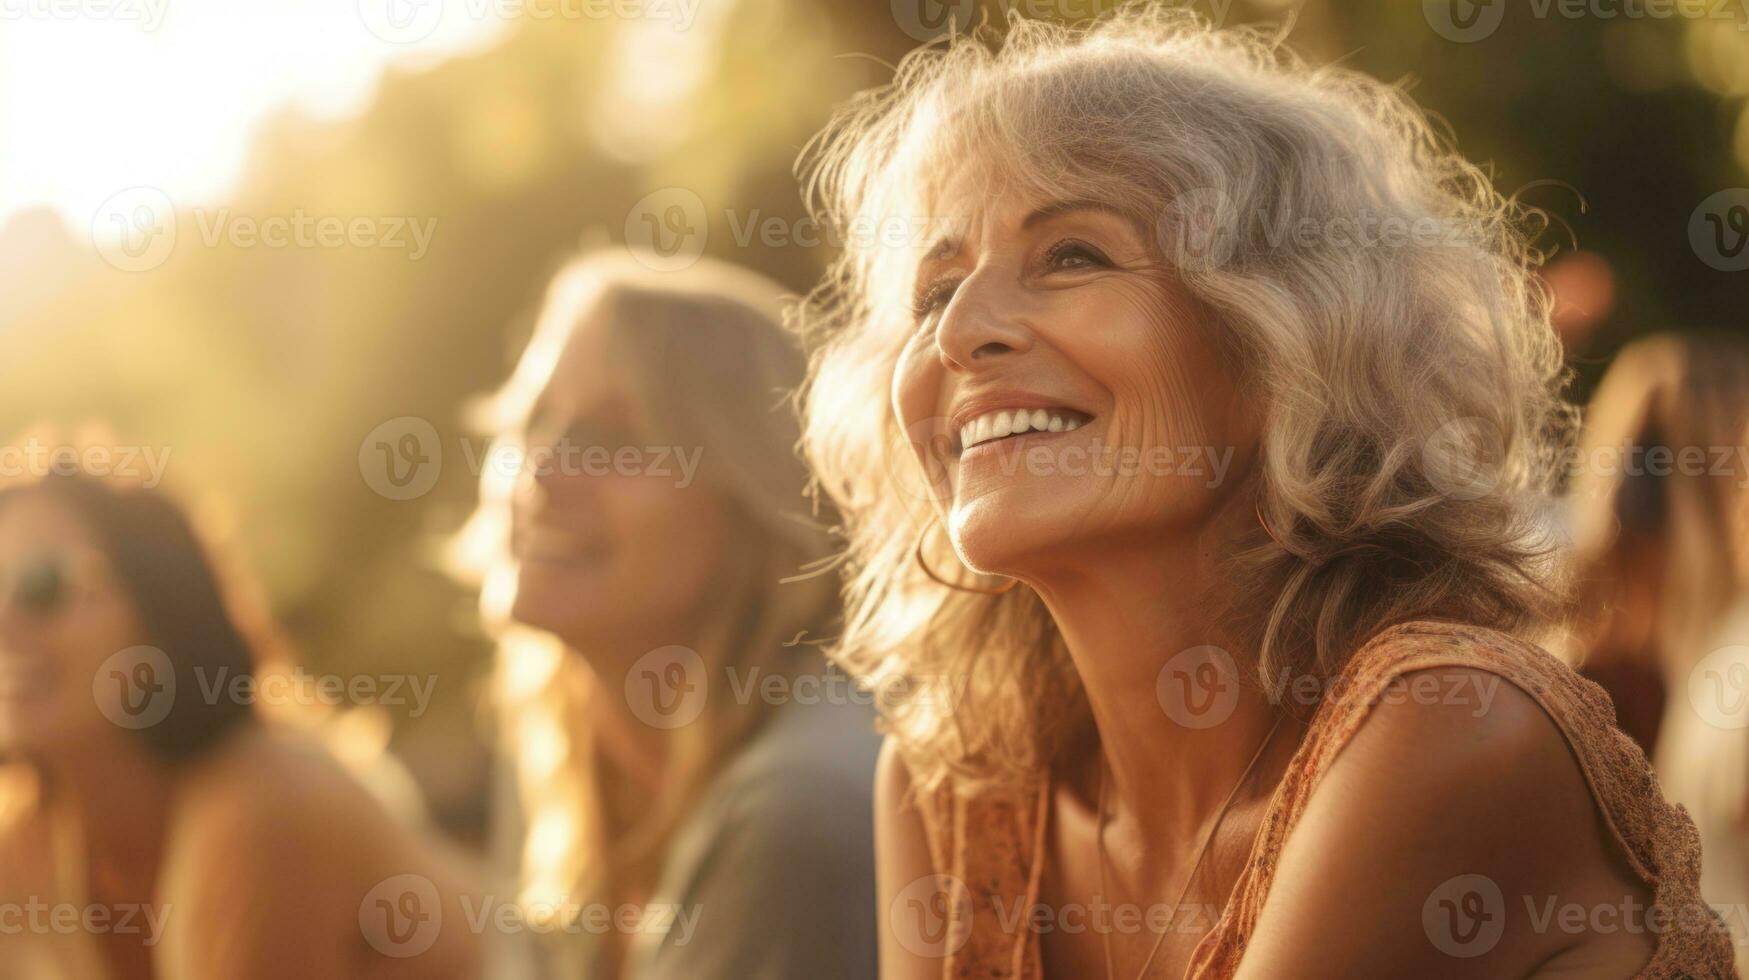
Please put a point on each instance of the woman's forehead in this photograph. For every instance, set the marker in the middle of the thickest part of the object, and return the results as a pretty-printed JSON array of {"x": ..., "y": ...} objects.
[{"x": 32, "y": 519}]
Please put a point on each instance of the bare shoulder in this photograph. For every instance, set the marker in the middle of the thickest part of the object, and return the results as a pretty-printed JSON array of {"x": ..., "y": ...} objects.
[
  {"x": 892, "y": 778},
  {"x": 901, "y": 840},
  {"x": 1455, "y": 816},
  {"x": 902, "y": 866},
  {"x": 276, "y": 847},
  {"x": 1450, "y": 722},
  {"x": 275, "y": 808},
  {"x": 273, "y": 781}
]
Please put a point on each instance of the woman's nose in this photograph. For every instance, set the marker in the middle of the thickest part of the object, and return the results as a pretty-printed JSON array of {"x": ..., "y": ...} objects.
[
  {"x": 982, "y": 321},
  {"x": 545, "y": 467}
]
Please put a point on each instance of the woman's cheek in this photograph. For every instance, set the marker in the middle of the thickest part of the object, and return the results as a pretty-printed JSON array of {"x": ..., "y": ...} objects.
[
  {"x": 919, "y": 409},
  {"x": 916, "y": 387},
  {"x": 1159, "y": 365}
]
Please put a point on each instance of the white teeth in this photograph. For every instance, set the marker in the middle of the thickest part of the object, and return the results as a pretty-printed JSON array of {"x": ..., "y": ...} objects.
[
  {"x": 997, "y": 425},
  {"x": 553, "y": 546}
]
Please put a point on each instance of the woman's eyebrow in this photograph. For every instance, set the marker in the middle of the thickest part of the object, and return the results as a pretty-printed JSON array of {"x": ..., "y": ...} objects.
[
  {"x": 1057, "y": 209},
  {"x": 943, "y": 250},
  {"x": 945, "y": 247},
  {"x": 948, "y": 246}
]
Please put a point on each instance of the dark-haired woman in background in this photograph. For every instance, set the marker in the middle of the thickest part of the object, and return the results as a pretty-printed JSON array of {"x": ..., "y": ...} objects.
[{"x": 151, "y": 824}]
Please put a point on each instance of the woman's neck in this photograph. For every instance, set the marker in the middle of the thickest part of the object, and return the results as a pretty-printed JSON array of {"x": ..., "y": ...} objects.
[
  {"x": 1177, "y": 724},
  {"x": 120, "y": 794},
  {"x": 640, "y": 694}
]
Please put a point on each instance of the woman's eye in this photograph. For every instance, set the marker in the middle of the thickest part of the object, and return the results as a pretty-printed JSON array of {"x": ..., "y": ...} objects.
[
  {"x": 1075, "y": 255},
  {"x": 931, "y": 298}
]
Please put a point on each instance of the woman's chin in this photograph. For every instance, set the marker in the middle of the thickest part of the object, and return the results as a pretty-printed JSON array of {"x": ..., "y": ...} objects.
[
  {"x": 994, "y": 538},
  {"x": 993, "y": 551},
  {"x": 546, "y": 606}
]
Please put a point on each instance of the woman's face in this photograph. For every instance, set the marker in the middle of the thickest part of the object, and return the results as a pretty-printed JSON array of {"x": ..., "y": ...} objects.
[
  {"x": 614, "y": 534},
  {"x": 63, "y": 620},
  {"x": 1056, "y": 319}
]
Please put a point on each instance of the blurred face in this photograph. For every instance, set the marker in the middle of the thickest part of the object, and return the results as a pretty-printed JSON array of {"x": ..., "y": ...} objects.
[
  {"x": 1062, "y": 393},
  {"x": 61, "y": 617},
  {"x": 611, "y": 540}
]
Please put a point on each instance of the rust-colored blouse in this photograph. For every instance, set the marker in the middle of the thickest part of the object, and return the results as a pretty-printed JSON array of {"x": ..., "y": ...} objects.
[{"x": 994, "y": 845}]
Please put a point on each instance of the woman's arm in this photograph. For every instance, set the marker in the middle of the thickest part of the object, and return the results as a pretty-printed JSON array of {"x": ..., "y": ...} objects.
[
  {"x": 1451, "y": 839},
  {"x": 909, "y": 905}
]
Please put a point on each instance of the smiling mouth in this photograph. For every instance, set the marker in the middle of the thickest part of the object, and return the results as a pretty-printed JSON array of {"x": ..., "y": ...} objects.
[
  {"x": 1008, "y": 423},
  {"x": 22, "y": 681},
  {"x": 552, "y": 548}
]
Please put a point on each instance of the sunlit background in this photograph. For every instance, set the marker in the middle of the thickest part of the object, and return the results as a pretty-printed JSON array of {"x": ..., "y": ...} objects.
[{"x": 457, "y": 150}]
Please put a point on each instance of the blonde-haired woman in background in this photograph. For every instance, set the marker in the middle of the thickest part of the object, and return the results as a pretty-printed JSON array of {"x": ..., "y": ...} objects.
[
  {"x": 1198, "y": 363},
  {"x": 673, "y": 746},
  {"x": 1660, "y": 527}
]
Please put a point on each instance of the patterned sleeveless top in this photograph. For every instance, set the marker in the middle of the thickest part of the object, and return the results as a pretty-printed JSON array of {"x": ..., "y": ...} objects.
[{"x": 994, "y": 844}]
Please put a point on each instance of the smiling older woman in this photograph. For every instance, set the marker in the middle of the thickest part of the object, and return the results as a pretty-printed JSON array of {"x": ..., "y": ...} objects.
[{"x": 1233, "y": 390}]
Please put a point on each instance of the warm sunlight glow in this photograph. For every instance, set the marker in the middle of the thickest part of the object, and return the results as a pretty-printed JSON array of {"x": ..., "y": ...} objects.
[{"x": 97, "y": 96}]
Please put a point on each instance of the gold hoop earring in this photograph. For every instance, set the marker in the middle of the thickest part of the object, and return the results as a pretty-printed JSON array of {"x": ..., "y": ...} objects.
[{"x": 937, "y": 579}]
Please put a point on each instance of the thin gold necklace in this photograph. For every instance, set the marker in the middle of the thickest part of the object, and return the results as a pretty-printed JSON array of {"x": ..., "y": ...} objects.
[{"x": 1201, "y": 851}]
